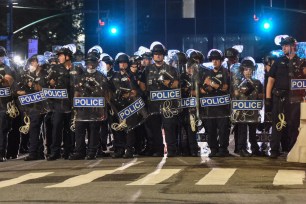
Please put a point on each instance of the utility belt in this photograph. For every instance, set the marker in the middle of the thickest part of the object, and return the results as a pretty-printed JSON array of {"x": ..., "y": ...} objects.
[{"x": 280, "y": 92}]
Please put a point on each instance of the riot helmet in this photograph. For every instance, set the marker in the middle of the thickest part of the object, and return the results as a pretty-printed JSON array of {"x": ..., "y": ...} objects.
[
  {"x": 2, "y": 51},
  {"x": 158, "y": 48},
  {"x": 231, "y": 53},
  {"x": 215, "y": 54}
]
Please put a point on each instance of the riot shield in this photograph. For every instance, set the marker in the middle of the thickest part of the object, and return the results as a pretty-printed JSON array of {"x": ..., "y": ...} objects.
[
  {"x": 214, "y": 102},
  {"x": 58, "y": 90},
  {"x": 162, "y": 99},
  {"x": 297, "y": 75},
  {"x": 5, "y": 90},
  {"x": 190, "y": 95},
  {"x": 90, "y": 97},
  {"x": 127, "y": 104},
  {"x": 247, "y": 94}
]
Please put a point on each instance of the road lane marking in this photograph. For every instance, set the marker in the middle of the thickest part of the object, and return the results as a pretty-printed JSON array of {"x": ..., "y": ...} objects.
[
  {"x": 155, "y": 177},
  {"x": 289, "y": 177},
  {"x": 23, "y": 178},
  {"x": 87, "y": 178},
  {"x": 217, "y": 176}
]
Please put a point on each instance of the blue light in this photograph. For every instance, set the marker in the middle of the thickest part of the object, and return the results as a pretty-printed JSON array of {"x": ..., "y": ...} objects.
[
  {"x": 113, "y": 30},
  {"x": 266, "y": 25}
]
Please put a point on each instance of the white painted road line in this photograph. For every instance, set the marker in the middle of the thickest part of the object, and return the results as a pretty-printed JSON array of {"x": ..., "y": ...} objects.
[
  {"x": 23, "y": 178},
  {"x": 289, "y": 177},
  {"x": 155, "y": 177},
  {"x": 87, "y": 178},
  {"x": 217, "y": 176}
]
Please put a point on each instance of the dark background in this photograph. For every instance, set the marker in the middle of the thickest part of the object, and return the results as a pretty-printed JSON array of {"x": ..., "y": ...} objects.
[{"x": 218, "y": 24}]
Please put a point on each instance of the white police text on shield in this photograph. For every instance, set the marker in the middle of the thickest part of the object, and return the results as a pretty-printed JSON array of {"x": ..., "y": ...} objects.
[
  {"x": 165, "y": 95},
  {"x": 215, "y": 101},
  {"x": 55, "y": 93},
  {"x": 5, "y": 92},
  {"x": 88, "y": 102},
  {"x": 297, "y": 84},
  {"x": 246, "y": 105},
  {"x": 31, "y": 98},
  {"x": 131, "y": 109}
]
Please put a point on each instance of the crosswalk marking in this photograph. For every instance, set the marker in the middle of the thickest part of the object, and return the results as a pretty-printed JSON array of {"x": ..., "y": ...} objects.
[
  {"x": 23, "y": 178},
  {"x": 217, "y": 176},
  {"x": 289, "y": 177},
  {"x": 155, "y": 177},
  {"x": 87, "y": 178}
]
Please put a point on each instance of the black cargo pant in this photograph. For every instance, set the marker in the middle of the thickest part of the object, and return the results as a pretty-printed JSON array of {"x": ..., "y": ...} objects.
[
  {"x": 288, "y": 135},
  {"x": 218, "y": 134},
  {"x": 36, "y": 142},
  {"x": 4, "y": 128}
]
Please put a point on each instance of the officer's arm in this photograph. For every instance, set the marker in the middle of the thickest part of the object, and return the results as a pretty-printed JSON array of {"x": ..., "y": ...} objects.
[{"x": 270, "y": 85}]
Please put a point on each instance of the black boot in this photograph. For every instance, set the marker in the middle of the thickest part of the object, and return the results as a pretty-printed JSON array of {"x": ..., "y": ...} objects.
[
  {"x": 118, "y": 153},
  {"x": 129, "y": 153}
]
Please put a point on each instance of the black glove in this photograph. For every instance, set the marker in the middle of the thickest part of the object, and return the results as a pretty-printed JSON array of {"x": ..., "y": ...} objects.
[{"x": 268, "y": 105}]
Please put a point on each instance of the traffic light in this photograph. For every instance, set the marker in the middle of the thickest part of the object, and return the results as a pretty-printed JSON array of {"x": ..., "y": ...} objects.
[
  {"x": 266, "y": 25},
  {"x": 101, "y": 23},
  {"x": 113, "y": 30}
]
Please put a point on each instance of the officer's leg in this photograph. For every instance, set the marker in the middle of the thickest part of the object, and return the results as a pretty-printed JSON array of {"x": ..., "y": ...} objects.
[
  {"x": 103, "y": 135},
  {"x": 171, "y": 126},
  {"x": 153, "y": 127},
  {"x": 94, "y": 139},
  {"x": 35, "y": 122},
  {"x": 192, "y": 141},
  {"x": 57, "y": 133},
  {"x": 236, "y": 132},
  {"x": 276, "y": 134},
  {"x": 140, "y": 135},
  {"x": 224, "y": 132},
  {"x": 253, "y": 139},
  {"x": 48, "y": 125},
  {"x": 242, "y": 136},
  {"x": 13, "y": 140},
  {"x": 130, "y": 143},
  {"x": 80, "y": 146},
  {"x": 68, "y": 136},
  {"x": 2, "y": 135},
  {"x": 211, "y": 129}
]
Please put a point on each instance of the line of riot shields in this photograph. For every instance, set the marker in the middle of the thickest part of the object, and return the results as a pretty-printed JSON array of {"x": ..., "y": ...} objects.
[{"x": 96, "y": 97}]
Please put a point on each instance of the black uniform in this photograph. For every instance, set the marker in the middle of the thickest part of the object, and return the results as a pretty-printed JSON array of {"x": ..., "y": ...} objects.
[
  {"x": 61, "y": 108},
  {"x": 217, "y": 121},
  {"x": 4, "y": 119},
  {"x": 36, "y": 113},
  {"x": 88, "y": 89},
  {"x": 155, "y": 123},
  {"x": 280, "y": 71}
]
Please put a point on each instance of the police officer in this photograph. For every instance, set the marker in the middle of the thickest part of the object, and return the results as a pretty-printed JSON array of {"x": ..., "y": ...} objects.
[
  {"x": 64, "y": 76},
  {"x": 152, "y": 80},
  {"x": 248, "y": 88},
  {"x": 217, "y": 122},
  {"x": 189, "y": 146},
  {"x": 6, "y": 81},
  {"x": 91, "y": 84},
  {"x": 285, "y": 110},
  {"x": 32, "y": 81},
  {"x": 109, "y": 62},
  {"x": 126, "y": 88}
]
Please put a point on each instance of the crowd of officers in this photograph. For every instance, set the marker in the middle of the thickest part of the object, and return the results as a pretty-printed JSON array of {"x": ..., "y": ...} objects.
[{"x": 55, "y": 131}]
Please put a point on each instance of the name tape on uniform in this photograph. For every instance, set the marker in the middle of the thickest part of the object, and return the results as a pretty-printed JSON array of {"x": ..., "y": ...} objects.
[
  {"x": 31, "y": 98},
  {"x": 247, "y": 105},
  {"x": 188, "y": 102},
  {"x": 131, "y": 109},
  {"x": 5, "y": 92},
  {"x": 55, "y": 93},
  {"x": 215, "y": 101},
  {"x": 162, "y": 95},
  {"x": 297, "y": 84},
  {"x": 88, "y": 102}
]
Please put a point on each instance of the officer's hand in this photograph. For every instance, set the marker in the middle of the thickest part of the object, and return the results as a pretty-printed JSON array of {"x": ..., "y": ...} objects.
[
  {"x": 52, "y": 82},
  {"x": 166, "y": 82},
  {"x": 207, "y": 81},
  {"x": 30, "y": 84},
  {"x": 268, "y": 105},
  {"x": 21, "y": 93}
]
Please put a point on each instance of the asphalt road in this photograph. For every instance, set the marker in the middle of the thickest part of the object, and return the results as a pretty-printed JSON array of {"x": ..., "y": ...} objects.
[{"x": 154, "y": 180}]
